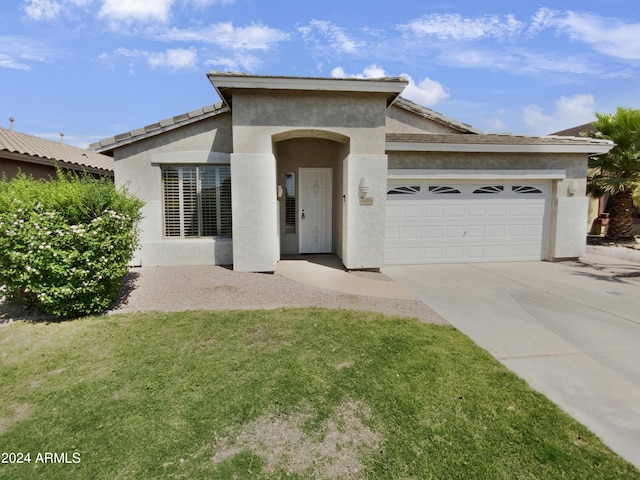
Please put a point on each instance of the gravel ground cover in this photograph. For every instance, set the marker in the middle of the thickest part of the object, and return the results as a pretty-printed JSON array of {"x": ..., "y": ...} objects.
[{"x": 180, "y": 288}]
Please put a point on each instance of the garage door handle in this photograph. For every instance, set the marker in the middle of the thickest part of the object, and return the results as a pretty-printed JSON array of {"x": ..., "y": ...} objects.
[{"x": 302, "y": 216}]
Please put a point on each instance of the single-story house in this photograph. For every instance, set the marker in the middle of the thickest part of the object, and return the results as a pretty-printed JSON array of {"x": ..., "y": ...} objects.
[
  {"x": 290, "y": 165},
  {"x": 39, "y": 157}
]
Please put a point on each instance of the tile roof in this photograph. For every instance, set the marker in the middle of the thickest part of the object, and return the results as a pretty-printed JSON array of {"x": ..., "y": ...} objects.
[
  {"x": 493, "y": 138},
  {"x": 24, "y": 144},
  {"x": 435, "y": 116},
  {"x": 108, "y": 144}
]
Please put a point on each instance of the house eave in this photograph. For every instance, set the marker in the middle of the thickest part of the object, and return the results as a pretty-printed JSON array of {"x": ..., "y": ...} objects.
[
  {"x": 462, "y": 174},
  {"x": 226, "y": 83},
  {"x": 592, "y": 149},
  {"x": 107, "y": 145}
]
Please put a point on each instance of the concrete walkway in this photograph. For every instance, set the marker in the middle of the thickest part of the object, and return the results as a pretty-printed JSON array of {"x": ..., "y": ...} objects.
[
  {"x": 571, "y": 330},
  {"x": 327, "y": 271}
]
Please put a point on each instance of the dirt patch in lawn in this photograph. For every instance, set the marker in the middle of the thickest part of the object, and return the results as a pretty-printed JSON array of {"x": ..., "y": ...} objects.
[
  {"x": 281, "y": 441},
  {"x": 16, "y": 413}
]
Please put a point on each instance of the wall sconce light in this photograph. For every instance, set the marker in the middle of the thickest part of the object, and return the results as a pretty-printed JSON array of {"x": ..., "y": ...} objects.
[
  {"x": 363, "y": 188},
  {"x": 572, "y": 188},
  {"x": 280, "y": 191}
]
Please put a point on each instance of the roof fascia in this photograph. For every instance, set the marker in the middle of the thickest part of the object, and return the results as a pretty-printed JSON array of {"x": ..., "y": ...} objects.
[
  {"x": 109, "y": 144},
  {"x": 412, "y": 174},
  {"x": 589, "y": 148},
  {"x": 226, "y": 83}
]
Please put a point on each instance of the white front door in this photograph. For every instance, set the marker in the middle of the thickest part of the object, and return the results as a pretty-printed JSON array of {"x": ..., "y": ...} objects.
[{"x": 314, "y": 213}]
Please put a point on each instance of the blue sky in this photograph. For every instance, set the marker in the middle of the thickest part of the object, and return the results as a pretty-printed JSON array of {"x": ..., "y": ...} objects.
[{"x": 96, "y": 68}]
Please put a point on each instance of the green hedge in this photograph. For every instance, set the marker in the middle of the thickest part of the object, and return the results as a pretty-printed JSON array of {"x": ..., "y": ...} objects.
[{"x": 65, "y": 244}]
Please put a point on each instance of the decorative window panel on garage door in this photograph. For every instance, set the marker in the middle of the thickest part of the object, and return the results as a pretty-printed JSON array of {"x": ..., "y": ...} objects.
[{"x": 450, "y": 222}]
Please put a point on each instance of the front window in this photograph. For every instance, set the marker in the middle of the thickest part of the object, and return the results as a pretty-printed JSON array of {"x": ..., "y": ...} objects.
[{"x": 197, "y": 201}]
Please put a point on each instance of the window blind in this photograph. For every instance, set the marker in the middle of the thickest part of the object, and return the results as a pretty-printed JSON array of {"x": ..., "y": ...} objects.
[{"x": 197, "y": 201}]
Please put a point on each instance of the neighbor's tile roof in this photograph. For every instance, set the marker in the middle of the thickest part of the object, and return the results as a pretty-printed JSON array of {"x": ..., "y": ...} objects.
[
  {"x": 108, "y": 144},
  {"x": 22, "y": 143},
  {"x": 577, "y": 131}
]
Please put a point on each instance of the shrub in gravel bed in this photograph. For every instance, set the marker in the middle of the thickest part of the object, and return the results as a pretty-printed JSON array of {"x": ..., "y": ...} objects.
[{"x": 65, "y": 244}]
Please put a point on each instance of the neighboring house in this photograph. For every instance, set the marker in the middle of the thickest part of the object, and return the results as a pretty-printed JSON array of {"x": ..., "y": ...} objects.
[
  {"x": 38, "y": 157},
  {"x": 289, "y": 165}
]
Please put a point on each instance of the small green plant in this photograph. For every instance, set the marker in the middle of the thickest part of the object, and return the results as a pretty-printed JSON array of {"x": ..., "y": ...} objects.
[{"x": 65, "y": 244}]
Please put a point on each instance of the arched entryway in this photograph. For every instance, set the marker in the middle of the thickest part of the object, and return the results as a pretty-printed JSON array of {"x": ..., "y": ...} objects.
[{"x": 310, "y": 184}]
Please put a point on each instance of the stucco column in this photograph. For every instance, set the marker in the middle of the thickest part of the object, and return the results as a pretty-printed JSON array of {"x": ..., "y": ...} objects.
[
  {"x": 363, "y": 222},
  {"x": 568, "y": 238},
  {"x": 255, "y": 213}
]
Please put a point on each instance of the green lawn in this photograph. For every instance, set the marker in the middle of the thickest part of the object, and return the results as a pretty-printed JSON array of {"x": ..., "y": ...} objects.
[{"x": 291, "y": 393}]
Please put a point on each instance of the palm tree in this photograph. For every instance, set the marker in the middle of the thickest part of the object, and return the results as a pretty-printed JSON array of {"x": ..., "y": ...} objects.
[{"x": 617, "y": 172}]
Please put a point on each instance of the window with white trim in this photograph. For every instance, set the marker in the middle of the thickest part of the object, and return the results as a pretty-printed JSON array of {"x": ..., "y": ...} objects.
[{"x": 197, "y": 201}]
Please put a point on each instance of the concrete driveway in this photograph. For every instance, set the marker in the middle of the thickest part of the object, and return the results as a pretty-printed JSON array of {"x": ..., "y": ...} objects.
[{"x": 571, "y": 330}]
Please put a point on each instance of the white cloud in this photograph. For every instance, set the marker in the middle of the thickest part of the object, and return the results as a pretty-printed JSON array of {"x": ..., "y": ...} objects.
[
  {"x": 575, "y": 110},
  {"x": 372, "y": 71},
  {"x": 42, "y": 9},
  {"x": 174, "y": 58},
  {"x": 496, "y": 124},
  {"x": 426, "y": 92},
  {"x": 337, "y": 39},
  {"x": 224, "y": 34},
  {"x": 243, "y": 63},
  {"x": 20, "y": 53},
  {"x": 456, "y": 27},
  {"x": 208, "y": 3},
  {"x": 609, "y": 36},
  {"x": 141, "y": 10},
  {"x": 533, "y": 116},
  {"x": 520, "y": 61},
  {"x": 9, "y": 62},
  {"x": 568, "y": 112},
  {"x": 338, "y": 72}
]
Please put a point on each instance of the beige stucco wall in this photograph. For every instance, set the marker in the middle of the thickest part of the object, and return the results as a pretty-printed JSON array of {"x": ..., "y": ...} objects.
[
  {"x": 134, "y": 167},
  {"x": 258, "y": 115},
  {"x": 364, "y": 224},
  {"x": 261, "y": 119}
]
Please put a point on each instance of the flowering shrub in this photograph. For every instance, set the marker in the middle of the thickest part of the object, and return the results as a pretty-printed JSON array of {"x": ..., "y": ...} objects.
[{"x": 65, "y": 244}]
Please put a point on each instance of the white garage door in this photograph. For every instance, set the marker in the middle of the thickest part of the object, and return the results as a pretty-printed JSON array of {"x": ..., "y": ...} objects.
[{"x": 448, "y": 222}]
